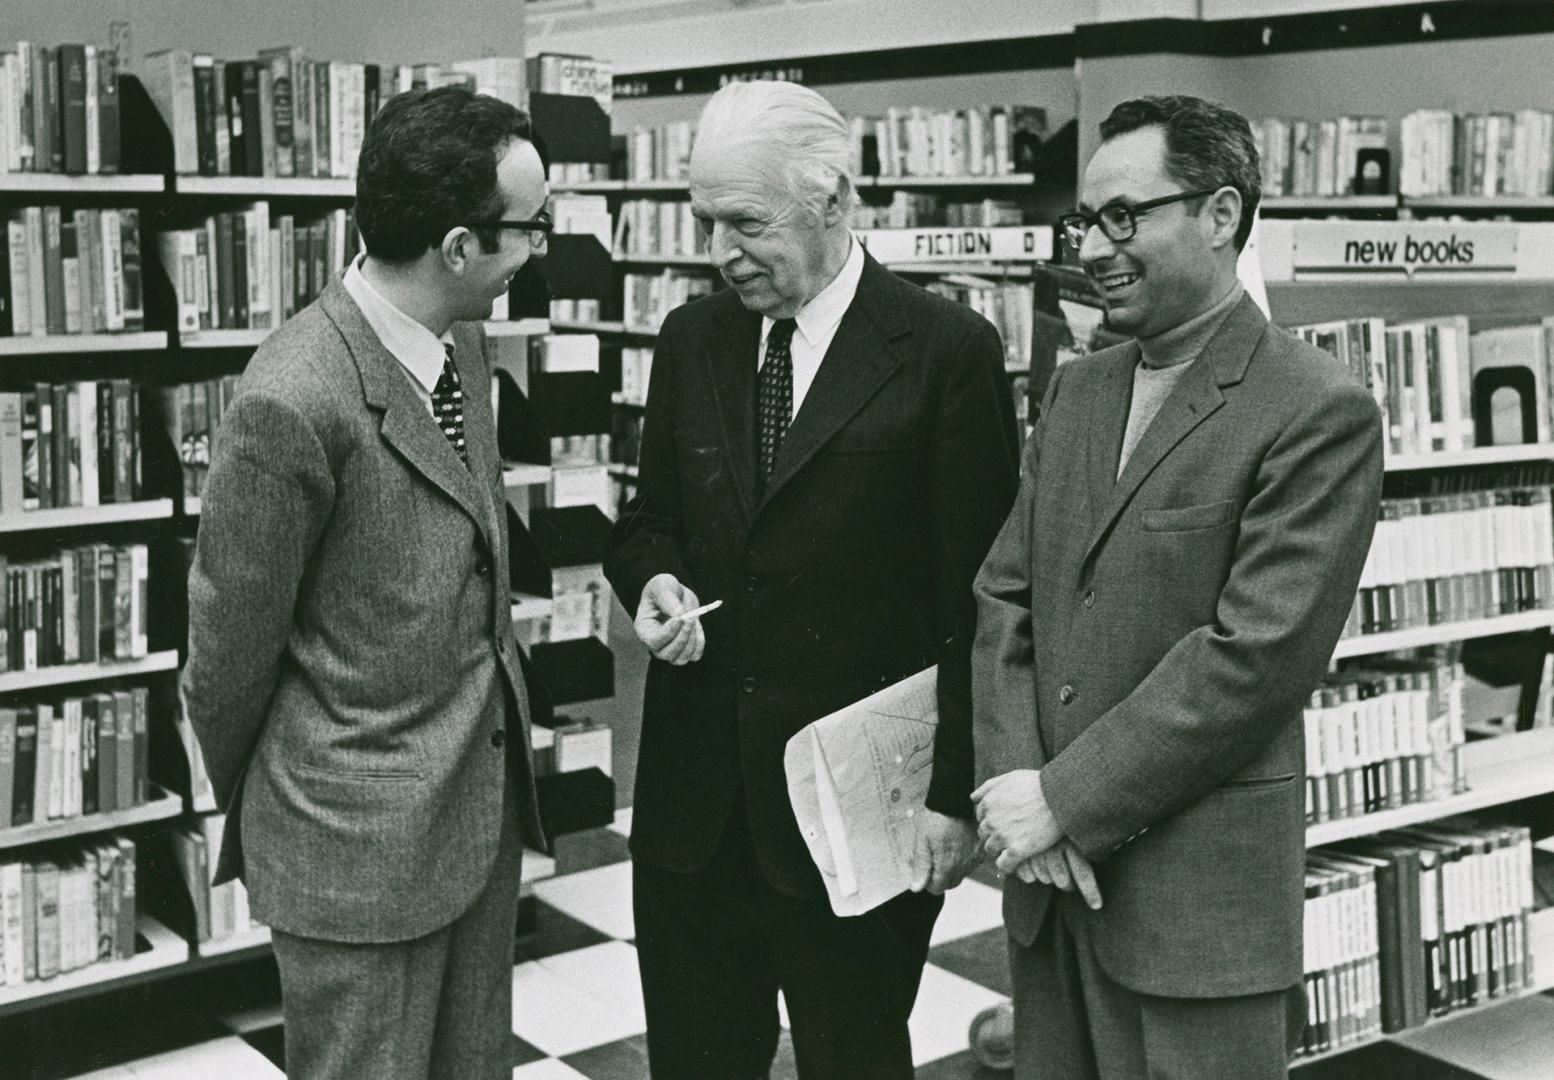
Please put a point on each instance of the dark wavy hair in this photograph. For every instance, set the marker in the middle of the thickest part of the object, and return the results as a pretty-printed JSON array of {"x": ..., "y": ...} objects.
[
  {"x": 1207, "y": 146},
  {"x": 428, "y": 164}
]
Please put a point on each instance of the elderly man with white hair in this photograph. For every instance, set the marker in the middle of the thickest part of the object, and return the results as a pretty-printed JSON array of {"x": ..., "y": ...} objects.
[{"x": 829, "y": 451}]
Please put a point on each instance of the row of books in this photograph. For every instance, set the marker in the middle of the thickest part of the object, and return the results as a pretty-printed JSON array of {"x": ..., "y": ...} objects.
[
  {"x": 1337, "y": 156},
  {"x": 242, "y": 269},
  {"x": 636, "y": 370},
  {"x": 67, "y": 907},
  {"x": 178, "y": 865},
  {"x": 1444, "y": 387},
  {"x": 1454, "y": 557},
  {"x": 580, "y": 596},
  {"x": 1412, "y": 924},
  {"x": 916, "y": 209},
  {"x": 649, "y": 298},
  {"x": 83, "y": 605},
  {"x": 659, "y": 227},
  {"x": 69, "y": 444},
  {"x": 76, "y": 273},
  {"x": 190, "y": 413},
  {"x": 1499, "y": 153},
  {"x": 577, "y": 451},
  {"x": 1383, "y": 736},
  {"x": 59, "y": 109},
  {"x": 572, "y": 75},
  {"x": 65, "y": 758},
  {"x": 1008, "y": 305},
  {"x": 575, "y": 213},
  {"x": 563, "y": 311}
]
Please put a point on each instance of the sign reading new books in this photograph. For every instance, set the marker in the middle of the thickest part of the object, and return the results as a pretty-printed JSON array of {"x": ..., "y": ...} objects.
[{"x": 1406, "y": 248}]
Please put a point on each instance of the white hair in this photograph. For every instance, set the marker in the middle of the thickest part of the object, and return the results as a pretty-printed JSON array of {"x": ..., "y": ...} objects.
[{"x": 802, "y": 130}]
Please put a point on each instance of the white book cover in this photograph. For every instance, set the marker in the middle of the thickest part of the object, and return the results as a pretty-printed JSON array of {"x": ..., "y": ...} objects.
[
  {"x": 57, "y": 792},
  {"x": 11, "y": 923},
  {"x": 84, "y": 403},
  {"x": 112, "y": 270}
]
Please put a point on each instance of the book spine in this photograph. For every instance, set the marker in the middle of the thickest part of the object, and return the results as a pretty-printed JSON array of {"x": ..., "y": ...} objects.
[{"x": 71, "y": 60}]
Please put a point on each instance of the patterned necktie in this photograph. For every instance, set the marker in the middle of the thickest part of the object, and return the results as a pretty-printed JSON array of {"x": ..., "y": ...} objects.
[
  {"x": 774, "y": 398},
  {"x": 448, "y": 406}
]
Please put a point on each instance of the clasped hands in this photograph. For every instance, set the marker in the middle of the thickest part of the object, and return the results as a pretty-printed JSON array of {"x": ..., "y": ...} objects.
[{"x": 1018, "y": 829}]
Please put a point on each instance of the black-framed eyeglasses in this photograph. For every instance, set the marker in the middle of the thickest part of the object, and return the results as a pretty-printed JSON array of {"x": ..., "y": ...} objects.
[
  {"x": 1119, "y": 221},
  {"x": 538, "y": 228}
]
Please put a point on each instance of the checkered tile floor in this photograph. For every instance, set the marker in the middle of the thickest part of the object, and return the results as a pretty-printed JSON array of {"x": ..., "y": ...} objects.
[{"x": 577, "y": 1009}]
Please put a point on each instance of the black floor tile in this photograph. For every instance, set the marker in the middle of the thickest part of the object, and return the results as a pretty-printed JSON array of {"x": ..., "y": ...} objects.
[
  {"x": 589, "y": 850},
  {"x": 521, "y": 1053},
  {"x": 961, "y": 1066},
  {"x": 555, "y": 933},
  {"x": 983, "y": 958},
  {"x": 271, "y": 1042},
  {"x": 623, "y": 1060},
  {"x": 1382, "y": 1061}
]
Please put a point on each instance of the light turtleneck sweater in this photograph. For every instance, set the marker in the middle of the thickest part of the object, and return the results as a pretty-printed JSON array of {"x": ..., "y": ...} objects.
[{"x": 1165, "y": 358}]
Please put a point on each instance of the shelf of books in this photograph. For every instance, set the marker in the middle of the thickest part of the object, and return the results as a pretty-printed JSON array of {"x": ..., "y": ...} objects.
[
  {"x": 1479, "y": 203},
  {"x": 37, "y": 183},
  {"x": 600, "y": 327},
  {"x": 222, "y": 339},
  {"x": 1327, "y": 204},
  {"x": 69, "y": 674},
  {"x": 1477, "y": 455},
  {"x": 972, "y": 181},
  {"x": 162, "y": 806},
  {"x": 156, "y": 949},
  {"x": 62, "y": 344},
  {"x": 267, "y": 187},
  {"x": 72, "y": 517},
  {"x": 1497, "y": 771},
  {"x": 1441, "y": 634}
]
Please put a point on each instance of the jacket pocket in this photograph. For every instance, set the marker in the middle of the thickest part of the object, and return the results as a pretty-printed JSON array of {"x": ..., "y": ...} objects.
[
  {"x": 1189, "y": 518},
  {"x": 364, "y": 775},
  {"x": 1253, "y": 783}
]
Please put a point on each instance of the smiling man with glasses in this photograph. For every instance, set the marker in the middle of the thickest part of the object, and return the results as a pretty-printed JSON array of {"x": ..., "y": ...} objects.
[{"x": 1194, "y": 512}]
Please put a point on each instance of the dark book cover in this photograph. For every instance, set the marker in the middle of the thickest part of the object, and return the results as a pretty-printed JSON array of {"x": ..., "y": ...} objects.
[
  {"x": 125, "y": 793},
  {"x": 130, "y": 269},
  {"x": 239, "y": 271},
  {"x": 7, "y": 760},
  {"x": 53, "y": 271},
  {"x": 47, "y": 156},
  {"x": 374, "y": 95},
  {"x": 225, "y": 295},
  {"x": 207, "y": 110},
  {"x": 237, "y": 121},
  {"x": 55, "y": 578},
  {"x": 108, "y": 721},
  {"x": 125, "y": 440},
  {"x": 142, "y": 738},
  {"x": 110, "y": 144},
  {"x": 37, "y": 440},
  {"x": 253, "y": 129},
  {"x": 124, "y": 939},
  {"x": 71, "y": 60},
  {"x": 87, "y": 598},
  {"x": 282, "y": 109},
  {"x": 322, "y": 142},
  {"x": 107, "y": 447},
  {"x": 89, "y": 724},
  {"x": 25, "y": 768},
  {"x": 65, "y": 466},
  {"x": 7, "y": 303},
  {"x": 106, "y": 590}
]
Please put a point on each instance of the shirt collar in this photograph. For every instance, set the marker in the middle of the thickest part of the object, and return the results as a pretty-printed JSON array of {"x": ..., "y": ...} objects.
[
  {"x": 818, "y": 318},
  {"x": 1186, "y": 341},
  {"x": 420, "y": 351}
]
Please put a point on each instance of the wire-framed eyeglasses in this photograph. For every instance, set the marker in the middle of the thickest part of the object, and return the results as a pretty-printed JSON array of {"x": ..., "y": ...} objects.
[{"x": 1119, "y": 221}]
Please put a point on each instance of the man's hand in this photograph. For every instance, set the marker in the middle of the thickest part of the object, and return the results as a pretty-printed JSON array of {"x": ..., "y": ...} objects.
[
  {"x": 1066, "y": 868},
  {"x": 945, "y": 853},
  {"x": 1013, "y": 818},
  {"x": 674, "y": 640}
]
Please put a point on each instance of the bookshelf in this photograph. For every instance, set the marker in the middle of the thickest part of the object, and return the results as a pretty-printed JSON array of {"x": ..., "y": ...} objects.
[
  {"x": 1478, "y": 455},
  {"x": 267, "y": 187},
  {"x": 159, "y": 951},
  {"x": 506, "y": 328},
  {"x": 64, "y": 344},
  {"x": 520, "y": 474},
  {"x": 526, "y": 607},
  {"x": 222, "y": 339},
  {"x": 162, "y": 806},
  {"x": 1422, "y": 636},
  {"x": 255, "y": 941},
  {"x": 76, "y": 517},
  {"x": 35, "y": 183},
  {"x": 70, "y": 674}
]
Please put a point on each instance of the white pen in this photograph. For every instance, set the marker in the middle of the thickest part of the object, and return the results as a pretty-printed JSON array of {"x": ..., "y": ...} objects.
[{"x": 697, "y": 612}]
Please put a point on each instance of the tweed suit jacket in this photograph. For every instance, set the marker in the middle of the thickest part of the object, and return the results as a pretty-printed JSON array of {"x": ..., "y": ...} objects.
[
  {"x": 1148, "y": 642},
  {"x": 851, "y": 571},
  {"x": 352, "y": 674}
]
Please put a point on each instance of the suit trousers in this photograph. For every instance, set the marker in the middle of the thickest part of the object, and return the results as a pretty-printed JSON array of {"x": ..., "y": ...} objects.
[
  {"x": 715, "y": 946},
  {"x": 437, "y": 1007},
  {"x": 1073, "y": 1022}
]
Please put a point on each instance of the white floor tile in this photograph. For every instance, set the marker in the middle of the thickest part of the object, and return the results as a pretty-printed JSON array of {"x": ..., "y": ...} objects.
[
  {"x": 599, "y": 898},
  {"x": 579, "y": 999},
  {"x": 1514, "y": 1041},
  {"x": 969, "y": 908},
  {"x": 622, "y": 823},
  {"x": 946, "y": 1005},
  {"x": 230, "y": 1059},
  {"x": 782, "y": 1012},
  {"x": 113, "y": 1072},
  {"x": 550, "y": 1069}
]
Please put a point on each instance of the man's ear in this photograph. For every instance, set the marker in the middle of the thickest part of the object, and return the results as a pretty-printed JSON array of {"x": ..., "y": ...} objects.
[
  {"x": 839, "y": 198},
  {"x": 456, "y": 248},
  {"x": 1225, "y": 209}
]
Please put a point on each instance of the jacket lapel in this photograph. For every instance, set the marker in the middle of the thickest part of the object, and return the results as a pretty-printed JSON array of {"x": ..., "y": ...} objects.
[
  {"x": 479, "y": 416},
  {"x": 730, "y": 359},
  {"x": 857, "y": 363},
  {"x": 406, "y": 425},
  {"x": 1193, "y": 400},
  {"x": 1108, "y": 418}
]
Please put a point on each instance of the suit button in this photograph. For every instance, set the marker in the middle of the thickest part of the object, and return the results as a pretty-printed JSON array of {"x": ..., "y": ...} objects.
[
  {"x": 747, "y": 684},
  {"x": 501, "y": 646},
  {"x": 482, "y": 567},
  {"x": 751, "y": 584},
  {"x": 498, "y": 738},
  {"x": 1089, "y": 598},
  {"x": 1067, "y": 695}
]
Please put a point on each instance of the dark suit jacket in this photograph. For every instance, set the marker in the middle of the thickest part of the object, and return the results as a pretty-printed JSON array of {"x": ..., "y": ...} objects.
[
  {"x": 1149, "y": 643},
  {"x": 351, "y": 656},
  {"x": 853, "y": 571}
]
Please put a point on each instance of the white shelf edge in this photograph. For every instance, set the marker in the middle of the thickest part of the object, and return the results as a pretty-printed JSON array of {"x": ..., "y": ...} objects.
[
  {"x": 601, "y": 328},
  {"x": 254, "y": 938},
  {"x": 161, "y": 807},
  {"x": 516, "y": 327},
  {"x": 1330, "y": 203},
  {"x": 1478, "y": 455},
  {"x": 527, "y": 607},
  {"x": 168, "y": 950},
  {"x": 1479, "y": 202},
  {"x": 74, "y": 516},
  {"x": 91, "y": 184},
  {"x": 628, "y": 471},
  {"x": 66, "y": 674},
  {"x": 265, "y": 187},
  {"x": 57, "y": 344},
  {"x": 1499, "y": 771},
  {"x": 224, "y": 339},
  {"x": 537, "y": 867},
  {"x": 661, "y": 260},
  {"x": 976, "y": 180},
  {"x": 525, "y": 475},
  {"x": 192, "y": 504},
  {"x": 1443, "y": 633}
]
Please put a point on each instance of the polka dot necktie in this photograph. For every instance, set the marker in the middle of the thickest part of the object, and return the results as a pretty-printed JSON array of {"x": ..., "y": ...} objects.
[
  {"x": 774, "y": 398},
  {"x": 448, "y": 406}
]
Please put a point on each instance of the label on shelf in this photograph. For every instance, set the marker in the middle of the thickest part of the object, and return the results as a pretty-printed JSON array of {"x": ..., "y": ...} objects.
[
  {"x": 1404, "y": 248},
  {"x": 1004, "y": 243}
]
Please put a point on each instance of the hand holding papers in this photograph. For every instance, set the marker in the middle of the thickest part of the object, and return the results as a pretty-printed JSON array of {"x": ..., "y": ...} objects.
[{"x": 858, "y": 780}]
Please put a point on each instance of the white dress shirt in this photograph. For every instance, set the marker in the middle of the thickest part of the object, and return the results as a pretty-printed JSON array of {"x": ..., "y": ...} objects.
[
  {"x": 419, "y": 351},
  {"x": 817, "y": 322}
]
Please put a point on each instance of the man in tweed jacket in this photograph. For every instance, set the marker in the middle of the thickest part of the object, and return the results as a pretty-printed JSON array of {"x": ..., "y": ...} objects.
[
  {"x": 1193, "y": 515},
  {"x": 352, "y": 673}
]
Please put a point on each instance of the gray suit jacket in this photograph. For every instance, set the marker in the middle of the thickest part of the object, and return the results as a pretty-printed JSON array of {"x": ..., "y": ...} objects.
[
  {"x": 352, "y": 674},
  {"x": 1149, "y": 641}
]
